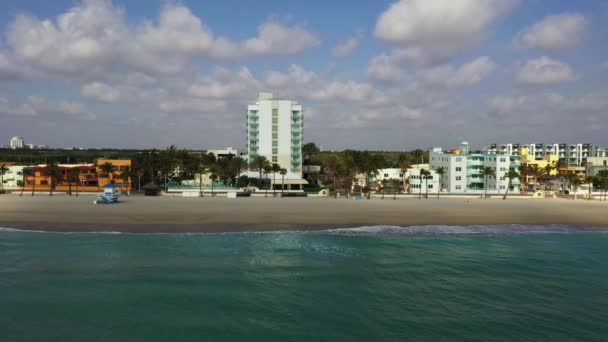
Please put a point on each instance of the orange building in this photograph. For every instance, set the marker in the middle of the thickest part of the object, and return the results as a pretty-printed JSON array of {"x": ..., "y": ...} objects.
[{"x": 89, "y": 177}]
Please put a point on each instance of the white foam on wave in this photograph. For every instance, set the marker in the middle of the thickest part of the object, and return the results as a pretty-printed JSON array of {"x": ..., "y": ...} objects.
[
  {"x": 464, "y": 230},
  {"x": 17, "y": 230},
  {"x": 372, "y": 230}
]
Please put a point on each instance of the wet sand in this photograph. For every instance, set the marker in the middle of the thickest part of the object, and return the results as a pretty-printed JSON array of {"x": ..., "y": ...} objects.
[{"x": 138, "y": 214}]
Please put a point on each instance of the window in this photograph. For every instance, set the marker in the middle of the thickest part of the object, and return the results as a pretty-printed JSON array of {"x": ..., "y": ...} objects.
[
  {"x": 275, "y": 128},
  {"x": 275, "y": 159},
  {"x": 503, "y": 159},
  {"x": 430, "y": 186},
  {"x": 386, "y": 175},
  {"x": 401, "y": 175},
  {"x": 275, "y": 135},
  {"x": 502, "y": 178},
  {"x": 275, "y": 144},
  {"x": 275, "y": 151},
  {"x": 458, "y": 169},
  {"x": 458, "y": 159},
  {"x": 458, "y": 178},
  {"x": 275, "y": 112},
  {"x": 275, "y": 121},
  {"x": 502, "y": 187},
  {"x": 458, "y": 187},
  {"x": 503, "y": 169}
]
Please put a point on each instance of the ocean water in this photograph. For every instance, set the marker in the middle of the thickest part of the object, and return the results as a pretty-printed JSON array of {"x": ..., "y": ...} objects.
[{"x": 475, "y": 283}]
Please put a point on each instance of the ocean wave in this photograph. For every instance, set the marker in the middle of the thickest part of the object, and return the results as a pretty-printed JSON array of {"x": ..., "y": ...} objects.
[
  {"x": 371, "y": 230},
  {"x": 466, "y": 230},
  {"x": 18, "y": 230}
]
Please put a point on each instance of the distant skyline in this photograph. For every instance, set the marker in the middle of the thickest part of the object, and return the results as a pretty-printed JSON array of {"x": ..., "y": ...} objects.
[{"x": 381, "y": 75}]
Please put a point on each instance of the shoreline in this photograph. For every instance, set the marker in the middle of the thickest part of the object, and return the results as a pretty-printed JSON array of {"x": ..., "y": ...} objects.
[{"x": 138, "y": 214}]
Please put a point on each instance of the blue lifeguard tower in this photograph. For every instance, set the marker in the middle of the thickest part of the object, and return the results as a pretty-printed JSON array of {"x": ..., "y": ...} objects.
[{"x": 110, "y": 195}]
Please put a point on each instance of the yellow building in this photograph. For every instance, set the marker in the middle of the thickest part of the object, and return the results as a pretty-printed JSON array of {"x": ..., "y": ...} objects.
[
  {"x": 528, "y": 160},
  {"x": 580, "y": 171},
  {"x": 119, "y": 167}
]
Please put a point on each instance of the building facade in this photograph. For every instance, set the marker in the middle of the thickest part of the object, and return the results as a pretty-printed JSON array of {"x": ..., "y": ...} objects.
[
  {"x": 463, "y": 172},
  {"x": 567, "y": 154},
  {"x": 529, "y": 158},
  {"x": 275, "y": 130},
  {"x": 13, "y": 178},
  {"x": 17, "y": 143},
  {"x": 595, "y": 165},
  {"x": 418, "y": 183},
  {"x": 90, "y": 176}
]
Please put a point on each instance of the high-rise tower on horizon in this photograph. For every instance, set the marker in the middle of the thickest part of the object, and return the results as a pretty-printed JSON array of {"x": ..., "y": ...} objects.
[{"x": 275, "y": 130}]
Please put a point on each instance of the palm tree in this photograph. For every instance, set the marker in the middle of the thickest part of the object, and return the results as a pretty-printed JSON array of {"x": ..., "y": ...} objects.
[
  {"x": 127, "y": 175},
  {"x": 511, "y": 174},
  {"x": 72, "y": 176},
  {"x": 590, "y": 180},
  {"x": 259, "y": 163},
  {"x": 27, "y": 171},
  {"x": 575, "y": 181},
  {"x": 426, "y": 174},
  {"x": 404, "y": 166},
  {"x": 275, "y": 168},
  {"x": 34, "y": 182},
  {"x": 3, "y": 170},
  {"x": 283, "y": 173},
  {"x": 395, "y": 183},
  {"x": 308, "y": 150},
  {"x": 107, "y": 171},
  {"x": 384, "y": 182},
  {"x": 201, "y": 169},
  {"x": 267, "y": 170},
  {"x": 371, "y": 164},
  {"x": 486, "y": 172},
  {"x": 213, "y": 177},
  {"x": 54, "y": 173},
  {"x": 547, "y": 171},
  {"x": 332, "y": 165},
  {"x": 440, "y": 171}
]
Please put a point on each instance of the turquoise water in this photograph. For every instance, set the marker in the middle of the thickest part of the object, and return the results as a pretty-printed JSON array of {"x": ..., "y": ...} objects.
[{"x": 374, "y": 284}]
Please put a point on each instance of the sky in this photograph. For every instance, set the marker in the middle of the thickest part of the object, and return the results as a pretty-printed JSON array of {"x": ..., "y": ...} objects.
[{"x": 375, "y": 74}]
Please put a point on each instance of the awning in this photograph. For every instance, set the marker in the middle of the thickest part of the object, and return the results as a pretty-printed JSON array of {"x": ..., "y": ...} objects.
[{"x": 291, "y": 182}]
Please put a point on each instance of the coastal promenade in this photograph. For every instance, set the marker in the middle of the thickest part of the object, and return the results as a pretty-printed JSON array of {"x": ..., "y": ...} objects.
[{"x": 138, "y": 214}]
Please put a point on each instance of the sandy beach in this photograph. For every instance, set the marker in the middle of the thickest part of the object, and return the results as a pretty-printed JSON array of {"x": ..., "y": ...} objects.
[{"x": 139, "y": 214}]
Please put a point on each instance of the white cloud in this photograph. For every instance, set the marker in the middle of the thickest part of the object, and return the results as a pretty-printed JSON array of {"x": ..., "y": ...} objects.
[
  {"x": 554, "y": 32},
  {"x": 297, "y": 75},
  {"x": 469, "y": 74},
  {"x": 94, "y": 38},
  {"x": 100, "y": 92},
  {"x": 348, "y": 46},
  {"x": 88, "y": 35},
  {"x": 387, "y": 68},
  {"x": 42, "y": 106},
  {"x": 9, "y": 69},
  {"x": 545, "y": 71},
  {"x": 346, "y": 91},
  {"x": 276, "y": 39},
  {"x": 440, "y": 29},
  {"x": 190, "y": 105},
  {"x": 224, "y": 84}
]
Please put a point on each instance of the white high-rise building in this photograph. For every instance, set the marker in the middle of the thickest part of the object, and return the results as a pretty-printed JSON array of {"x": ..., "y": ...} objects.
[
  {"x": 17, "y": 142},
  {"x": 275, "y": 131}
]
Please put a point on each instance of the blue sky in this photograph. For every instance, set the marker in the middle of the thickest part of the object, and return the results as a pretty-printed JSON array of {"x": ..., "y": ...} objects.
[{"x": 391, "y": 75}]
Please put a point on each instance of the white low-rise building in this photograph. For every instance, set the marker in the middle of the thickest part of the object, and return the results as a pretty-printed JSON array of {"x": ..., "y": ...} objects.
[
  {"x": 418, "y": 183},
  {"x": 13, "y": 177},
  {"x": 463, "y": 172}
]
